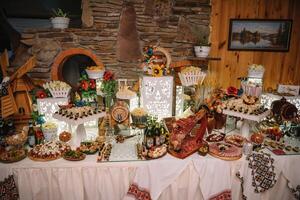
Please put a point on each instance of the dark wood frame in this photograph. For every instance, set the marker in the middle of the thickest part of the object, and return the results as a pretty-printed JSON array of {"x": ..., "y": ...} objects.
[{"x": 261, "y": 49}]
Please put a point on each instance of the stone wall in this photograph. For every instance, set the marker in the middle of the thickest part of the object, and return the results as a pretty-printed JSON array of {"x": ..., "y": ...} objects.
[{"x": 176, "y": 25}]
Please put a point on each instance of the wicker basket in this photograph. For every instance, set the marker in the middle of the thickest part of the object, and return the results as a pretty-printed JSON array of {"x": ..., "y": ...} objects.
[
  {"x": 60, "y": 93},
  {"x": 191, "y": 77}
]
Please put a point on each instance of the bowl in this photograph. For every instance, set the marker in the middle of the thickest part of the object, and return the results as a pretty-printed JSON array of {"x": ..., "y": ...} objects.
[{"x": 95, "y": 74}]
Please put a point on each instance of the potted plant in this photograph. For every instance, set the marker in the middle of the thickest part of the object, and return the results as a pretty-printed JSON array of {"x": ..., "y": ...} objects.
[
  {"x": 60, "y": 19},
  {"x": 203, "y": 49}
]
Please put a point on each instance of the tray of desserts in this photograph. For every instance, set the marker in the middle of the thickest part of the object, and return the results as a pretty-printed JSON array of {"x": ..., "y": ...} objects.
[
  {"x": 77, "y": 115},
  {"x": 281, "y": 148},
  {"x": 236, "y": 140},
  {"x": 245, "y": 107},
  {"x": 48, "y": 151},
  {"x": 152, "y": 153},
  {"x": 104, "y": 153},
  {"x": 13, "y": 155}
]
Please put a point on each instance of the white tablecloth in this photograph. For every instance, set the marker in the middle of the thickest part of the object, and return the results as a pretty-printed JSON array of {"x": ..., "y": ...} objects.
[{"x": 168, "y": 178}]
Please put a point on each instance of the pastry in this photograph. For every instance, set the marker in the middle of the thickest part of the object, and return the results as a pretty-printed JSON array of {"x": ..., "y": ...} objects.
[
  {"x": 157, "y": 152},
  {"x": 236, "y": 140},
  {"x": 296, "y": 149},
  {"x": 288, "y": 148},
  {"x": 225, "y": 151},
  {"x": 215, "y": 137},
  {"x": 48, "y": 151},
  {"x": 104, "y": 153}
]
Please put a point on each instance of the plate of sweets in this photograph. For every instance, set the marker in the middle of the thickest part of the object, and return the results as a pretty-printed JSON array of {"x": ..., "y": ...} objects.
[
  {"x": 215, "y": 137},
  {"x": 48, "y": 151},
  {"x": 157, "y": 152},
  {"x": 104, "y": 152},
  {"x": 89, "y": 147},
  {"x": 74, "y": 155},
  {"x": 236, "y": 140},
  {"x": 13, "y": 155}
]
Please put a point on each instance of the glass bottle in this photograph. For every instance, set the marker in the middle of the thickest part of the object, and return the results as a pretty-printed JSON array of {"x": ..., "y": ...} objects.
[
  {"x": 157, "y": 134},
  {"x": 31, "y": 135},
  {"x": 149, "y": 138}
]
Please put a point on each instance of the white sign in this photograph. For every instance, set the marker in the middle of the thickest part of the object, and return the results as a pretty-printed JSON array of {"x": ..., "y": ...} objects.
[
  {"x": 157, "y": 95},
  {"x": 291, "y": 89}
]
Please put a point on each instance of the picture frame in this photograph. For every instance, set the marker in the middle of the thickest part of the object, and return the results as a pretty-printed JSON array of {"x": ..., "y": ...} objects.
[{"x": 260, "y": 34}]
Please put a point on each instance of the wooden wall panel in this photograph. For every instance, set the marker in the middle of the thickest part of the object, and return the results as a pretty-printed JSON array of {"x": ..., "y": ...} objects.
[{"x": 281, "y": 67}]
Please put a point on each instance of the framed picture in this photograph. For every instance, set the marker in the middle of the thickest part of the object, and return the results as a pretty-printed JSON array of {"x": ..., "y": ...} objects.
[{"x": 259, "y": 35}]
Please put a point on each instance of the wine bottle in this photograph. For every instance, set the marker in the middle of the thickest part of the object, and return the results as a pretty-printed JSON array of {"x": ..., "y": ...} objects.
[{"x": 31, "y": 135}]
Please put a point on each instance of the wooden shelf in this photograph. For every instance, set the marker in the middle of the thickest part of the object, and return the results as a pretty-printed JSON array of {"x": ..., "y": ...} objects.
[{"x": 204, "y": 58}]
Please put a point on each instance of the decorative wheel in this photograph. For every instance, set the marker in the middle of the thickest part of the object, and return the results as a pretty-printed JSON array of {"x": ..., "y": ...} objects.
[{"x": 120, "y": 113}]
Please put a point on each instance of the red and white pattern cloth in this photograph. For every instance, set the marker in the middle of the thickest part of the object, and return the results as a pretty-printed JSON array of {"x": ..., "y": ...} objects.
[
  {"x": 138, "y": 193},
  {"x": 225, "y": 195},
  {"x": 8, "y": 189}
]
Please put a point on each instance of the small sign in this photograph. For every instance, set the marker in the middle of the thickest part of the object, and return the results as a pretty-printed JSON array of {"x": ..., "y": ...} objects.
[{"x": 290, "y": 89}]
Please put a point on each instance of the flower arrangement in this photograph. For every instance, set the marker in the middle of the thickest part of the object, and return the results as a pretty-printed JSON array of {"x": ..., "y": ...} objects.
[
  {"x": 109, "y": 87},
  {"x": 215, "y": 101},
  {"x": 87, "y": 87},
  {"x": 149, "y": 63},
  {"x": 38, "y": 93}
]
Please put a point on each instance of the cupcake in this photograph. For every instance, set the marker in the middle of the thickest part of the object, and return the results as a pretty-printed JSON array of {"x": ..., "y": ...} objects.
[{"x": 139, "y": 116}]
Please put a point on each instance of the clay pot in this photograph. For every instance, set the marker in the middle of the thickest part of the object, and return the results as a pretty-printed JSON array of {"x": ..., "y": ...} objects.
[
  {"x": 211, "y": 124},
  {"x": 220, "y": 120}
]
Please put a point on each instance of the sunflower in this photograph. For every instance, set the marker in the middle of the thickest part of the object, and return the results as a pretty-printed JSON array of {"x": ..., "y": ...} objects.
[{"x": 157, "y": 71}]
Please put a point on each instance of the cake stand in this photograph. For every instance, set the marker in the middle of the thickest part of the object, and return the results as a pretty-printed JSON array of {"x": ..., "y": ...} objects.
[
  {"x": 78, "y": 126},
  {"x": 245, "y": 128}
]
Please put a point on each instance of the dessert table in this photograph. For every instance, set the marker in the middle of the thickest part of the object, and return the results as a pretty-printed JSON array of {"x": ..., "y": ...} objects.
[
  {"x": 195, "y": 177},
  {"x": 245, "y": 128},
  {"x": 77, "y": 126}
]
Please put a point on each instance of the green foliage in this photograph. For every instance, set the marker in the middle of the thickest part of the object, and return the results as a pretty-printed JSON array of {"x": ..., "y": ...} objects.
[
  {"x": 109, "y": 87},
  {"x": 59, "y": 13}
]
